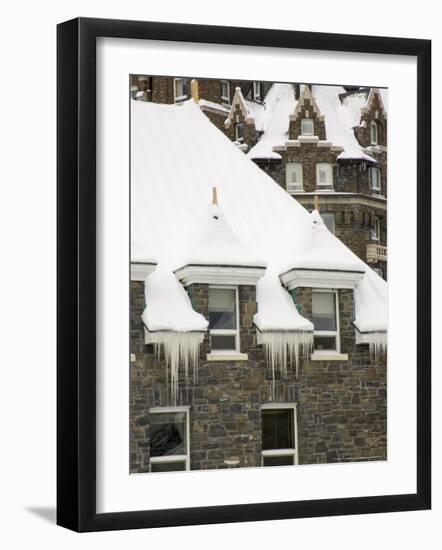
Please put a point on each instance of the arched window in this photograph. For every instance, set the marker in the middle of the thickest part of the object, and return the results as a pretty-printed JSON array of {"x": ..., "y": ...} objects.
[{"x": 374, "y": 132}]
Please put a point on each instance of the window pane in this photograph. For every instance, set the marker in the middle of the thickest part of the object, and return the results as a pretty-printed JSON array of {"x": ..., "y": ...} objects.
[
  {"x": 324, "y": 343},
  {"x": 307, "y": 127},
  {"x": 225, "y": 89},
  {"x": 168, "y": 434},
  {"x": 167, "y": 466},
  {"x": 278, "y": 460},
  {"x": 324, "y": 310},
  {"x": 224, "y": 342},
  {"x": 277, "y": 429},
  {"x": 222, "y": 309},
  {"x": 239, "y": 131}
]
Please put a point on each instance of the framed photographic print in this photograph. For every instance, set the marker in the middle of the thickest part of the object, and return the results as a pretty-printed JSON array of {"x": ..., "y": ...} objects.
[{"x": 243, "y": 274}]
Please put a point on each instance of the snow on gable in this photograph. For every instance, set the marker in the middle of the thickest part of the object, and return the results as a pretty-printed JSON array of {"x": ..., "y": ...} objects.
[
  {"x": 339, "y": 122},
  {"x": 279, "y": 104},
  {"x": 306, "y": 93},
  {"x": 375, "y": 92},
  {"x": 238, "y": 103}
]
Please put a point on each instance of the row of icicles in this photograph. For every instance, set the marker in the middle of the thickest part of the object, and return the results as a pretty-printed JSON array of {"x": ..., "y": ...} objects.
[{"x": 283, "y": 351}]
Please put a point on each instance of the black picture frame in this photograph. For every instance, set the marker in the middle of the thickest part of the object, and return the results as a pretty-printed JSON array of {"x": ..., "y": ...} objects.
[{"x": 76, "y": 274}]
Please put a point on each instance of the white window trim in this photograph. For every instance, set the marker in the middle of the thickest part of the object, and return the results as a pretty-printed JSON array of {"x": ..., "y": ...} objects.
[
  {"x": 328, "y": 185},
  {"x": 283, "y": 452},
  {"x": 336, "y": 333},
  {"x": 294, "y": 187},
  {"x": 180, "y": 97},
  {"x": 173, "y": 458},
  {"x": 371, "y": 170},
  {"x": 237, "y": 125},
  {"x": 373, "y": 125},
  {"x": 227, "y": 332},
  {"x": 225, "y": 99},
  {"x": 256, "y": 94},
  {"x": 376, "y": 229},
  {"x": 312, "y": 133}
]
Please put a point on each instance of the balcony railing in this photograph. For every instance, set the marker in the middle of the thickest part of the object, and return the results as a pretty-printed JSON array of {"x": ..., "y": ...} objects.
[{"x": 376, "y": 253}]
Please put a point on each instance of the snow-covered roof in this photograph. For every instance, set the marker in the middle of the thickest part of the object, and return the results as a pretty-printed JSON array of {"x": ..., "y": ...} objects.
[
  {"x": 274, "y": 122},
  {"x": 178, "y": 156},
  {"x": 339, "y": 121}
]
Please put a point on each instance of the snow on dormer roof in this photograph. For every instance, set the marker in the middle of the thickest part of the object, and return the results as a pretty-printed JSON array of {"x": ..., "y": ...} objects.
[{"x": 178, "y": 156}]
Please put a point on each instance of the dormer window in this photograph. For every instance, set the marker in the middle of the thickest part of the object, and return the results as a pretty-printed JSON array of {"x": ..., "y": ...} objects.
[
  {"x": 223, "y": 319},
  {"x": 374, "y": 178},
  {"x": 325, "y": 318},
  {"x": 373, "y": 133},
  {"x": 307, "y": 127},
  {"x": 239, "y": 131},
  {"x": 180, "y": 89},
  {"x": 225, "y": 91},
  {"x": 324, "y": 176}
]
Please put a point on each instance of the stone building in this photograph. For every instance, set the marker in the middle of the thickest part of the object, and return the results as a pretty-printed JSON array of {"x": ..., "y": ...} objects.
[
  {"x": 325, "y": 145},
  {"x": 257, "y": 337}
]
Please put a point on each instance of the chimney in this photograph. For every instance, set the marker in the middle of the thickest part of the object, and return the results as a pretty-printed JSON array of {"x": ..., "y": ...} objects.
[
  {"x": 316, "y": 202},
  {"x": 194, "y": 90},
  {"x": 214, "y": 196}
]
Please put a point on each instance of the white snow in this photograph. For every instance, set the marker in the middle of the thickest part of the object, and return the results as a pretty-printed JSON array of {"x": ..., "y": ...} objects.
[
  {"x": 279, "y": 104},
  {"x": 339, "y": 122},
  {"x": 212, "y": 105},
  {"x": 219, "y": 245},
  {"x": 178, "y": 156}
]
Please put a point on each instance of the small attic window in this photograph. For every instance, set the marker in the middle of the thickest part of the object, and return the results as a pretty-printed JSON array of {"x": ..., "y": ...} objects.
[
  {"x": 374, "y": 132},
  {"x": 180, "y": 89},
  {"x": 239, "y": 131},
  {"x": 307, "y": 127},
  {"x": 225, "y": 91},
  {"x": 223, "y": 319}
]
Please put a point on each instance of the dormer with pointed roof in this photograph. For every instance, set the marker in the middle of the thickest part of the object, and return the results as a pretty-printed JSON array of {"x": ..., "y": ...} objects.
[
  {"x": 240, "y": 124},
  {"x": 307, "y": 110}
]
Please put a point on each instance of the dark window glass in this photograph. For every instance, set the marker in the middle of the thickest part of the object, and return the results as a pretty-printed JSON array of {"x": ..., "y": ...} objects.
[
  {"x": 278, "y": 461},
  {"x": 324, "y": 310},
  {"x": 225, "y": 342},
  {"x": 323, "y": 343},
  {"x": 167, "y": 466},
  {"x": 239, "y": 131},
  {"x": 277, "y": 429},
  {"x": 168, "y": 434},
  {"x": 222, "y": 309}
]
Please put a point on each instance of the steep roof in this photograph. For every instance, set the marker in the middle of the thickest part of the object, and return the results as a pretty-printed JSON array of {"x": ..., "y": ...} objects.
[
  {"x": 279, "y": 104},
  {"x": 178, "y": 156}
]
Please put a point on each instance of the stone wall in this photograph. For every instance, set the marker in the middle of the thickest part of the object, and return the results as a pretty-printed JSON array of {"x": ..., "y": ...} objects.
[
  {"x": 307, "y": 111},
  {"x": 341, "y": 404}
]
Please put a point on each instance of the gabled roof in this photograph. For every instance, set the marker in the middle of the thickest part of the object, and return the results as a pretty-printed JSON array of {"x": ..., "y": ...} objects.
[
  {"x": 238, "y": 101},
  {"x": 178, "y": 156},
  {"x": 306, "y": 93},
  {"x": 375, "y": 92},
  {"x": 279, "y": 104}
]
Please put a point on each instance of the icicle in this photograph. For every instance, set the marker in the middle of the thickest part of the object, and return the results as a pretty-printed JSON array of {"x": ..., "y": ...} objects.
[
  {"x": 284, "y": 348},
  {"x": 181, "y": 349},
  {"x": 377, "y": 342}
]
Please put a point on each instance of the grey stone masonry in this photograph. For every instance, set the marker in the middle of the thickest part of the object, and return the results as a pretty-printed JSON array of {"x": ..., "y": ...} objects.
[{"x": 341, "y": 404}]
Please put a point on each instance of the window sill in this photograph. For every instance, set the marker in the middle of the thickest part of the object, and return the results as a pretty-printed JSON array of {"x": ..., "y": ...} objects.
[
  {"x": 329, "y": 356},
  {"x": 232, "y": 356}
]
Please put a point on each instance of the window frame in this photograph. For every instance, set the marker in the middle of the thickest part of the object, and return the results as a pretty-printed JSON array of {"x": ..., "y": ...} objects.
[
  {"x": 175, "y": 96},
  {"x": 310, "y": 121},
  {"x": 227, "y": 332},
  {"x": 328, "y": 333},
  {"x": 300, "y": 186},
  {"x": 375, "y": 233},
  {"x": 376, "y": 170},
  {"x": 256, "y": 94},
  {"x": 185, "y": 458},
  {"x": 282, "y": 452},
  {"x": 324, "y": 185},
  {"x": 239, "y": 125},
  {"x": 225, "y": 98},
  {"x": 374, "y": 130}
]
